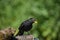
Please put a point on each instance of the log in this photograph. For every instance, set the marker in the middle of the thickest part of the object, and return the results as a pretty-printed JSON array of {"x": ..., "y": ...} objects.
[
  {"x": 6, "y": 33},
  {"x": 26, "y": 37}
]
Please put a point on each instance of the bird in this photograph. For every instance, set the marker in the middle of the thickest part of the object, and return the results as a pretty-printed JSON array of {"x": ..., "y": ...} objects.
[{"x": 26, "y": 26}]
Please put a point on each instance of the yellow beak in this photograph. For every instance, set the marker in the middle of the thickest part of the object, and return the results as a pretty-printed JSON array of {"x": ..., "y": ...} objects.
[{"x": 35, "y": 22}]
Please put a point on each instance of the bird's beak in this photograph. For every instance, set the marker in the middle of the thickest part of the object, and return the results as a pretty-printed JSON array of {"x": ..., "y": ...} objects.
[{"x": 35, "y": 22}]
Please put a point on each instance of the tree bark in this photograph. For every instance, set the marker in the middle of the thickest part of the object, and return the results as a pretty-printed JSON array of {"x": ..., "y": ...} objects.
[{"x": 25, "y": 37}]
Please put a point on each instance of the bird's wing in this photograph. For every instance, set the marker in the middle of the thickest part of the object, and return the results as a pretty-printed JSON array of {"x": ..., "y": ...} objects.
[{"x": 21, "y": 26}]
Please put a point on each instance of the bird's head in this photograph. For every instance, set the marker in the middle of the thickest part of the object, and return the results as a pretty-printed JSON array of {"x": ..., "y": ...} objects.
[{"x": 33, "y": 20}]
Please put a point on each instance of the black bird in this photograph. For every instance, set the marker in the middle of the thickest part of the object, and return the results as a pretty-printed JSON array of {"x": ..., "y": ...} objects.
[{"x": 26, "y": 26}]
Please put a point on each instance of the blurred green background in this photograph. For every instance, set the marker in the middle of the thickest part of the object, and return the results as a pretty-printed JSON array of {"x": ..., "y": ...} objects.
[{"x": 47, "y": 13}]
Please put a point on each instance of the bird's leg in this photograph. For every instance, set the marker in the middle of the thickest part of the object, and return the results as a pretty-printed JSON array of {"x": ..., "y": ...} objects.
[{"x": 20, "y": 33}]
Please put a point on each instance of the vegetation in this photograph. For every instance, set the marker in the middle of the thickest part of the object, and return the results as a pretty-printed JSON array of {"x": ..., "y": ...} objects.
[{"x": 47, "y": 13}]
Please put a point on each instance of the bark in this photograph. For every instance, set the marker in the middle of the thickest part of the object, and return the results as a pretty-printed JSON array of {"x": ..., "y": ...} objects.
[{"x": 25, "y": 37}]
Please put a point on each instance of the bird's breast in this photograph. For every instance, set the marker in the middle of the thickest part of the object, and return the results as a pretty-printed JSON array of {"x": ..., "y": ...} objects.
[{"x": 27, "y": 27}]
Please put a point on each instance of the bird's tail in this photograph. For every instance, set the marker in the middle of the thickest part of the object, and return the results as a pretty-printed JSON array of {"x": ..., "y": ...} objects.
[{"x": 20, "y": 33}]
